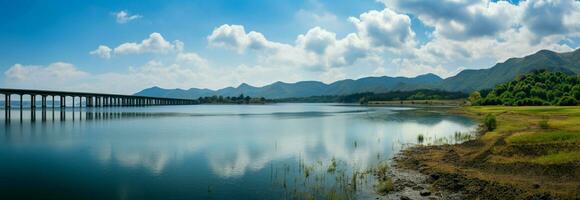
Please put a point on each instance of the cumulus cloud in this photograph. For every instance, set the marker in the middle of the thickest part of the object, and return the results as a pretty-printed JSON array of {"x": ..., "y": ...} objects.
[
  {"x": 102, "y": 51},
  {"x": 385, "y": 28},
  {"x": 155, "y": 43},
  {"x": 316, "y": 40},
  {"x": 475, "y": 34},
  {"x": 318, "y": 49},
  {"x": 551, "y": 17},
  {"x": 123, "y": 17},
  {"x": 235, "y": 37},
  {"x": 460, "y": 19}
]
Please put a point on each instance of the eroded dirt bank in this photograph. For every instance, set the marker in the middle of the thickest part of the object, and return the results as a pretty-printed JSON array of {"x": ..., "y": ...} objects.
[{"x": 509, "y": 162}]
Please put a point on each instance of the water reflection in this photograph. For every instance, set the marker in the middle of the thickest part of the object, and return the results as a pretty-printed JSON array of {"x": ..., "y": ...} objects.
[{"x": 220, "y": 144}]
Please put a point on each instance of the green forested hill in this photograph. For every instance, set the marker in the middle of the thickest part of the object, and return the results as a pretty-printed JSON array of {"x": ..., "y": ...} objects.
[
  {"x": 540, "y": 87},
  {"x": 472, "y": 80}
]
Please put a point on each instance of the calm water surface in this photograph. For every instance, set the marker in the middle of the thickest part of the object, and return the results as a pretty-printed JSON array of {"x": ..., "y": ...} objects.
[{"x": 278, "y": 151}]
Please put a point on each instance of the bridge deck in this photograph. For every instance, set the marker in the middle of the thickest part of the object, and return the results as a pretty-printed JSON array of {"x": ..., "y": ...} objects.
[{"x": 10, "y": 91}]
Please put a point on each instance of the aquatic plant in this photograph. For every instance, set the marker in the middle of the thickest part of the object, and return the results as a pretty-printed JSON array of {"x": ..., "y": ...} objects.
[
  {"x": 384, "y": 187},
  {"x": 332, "y": 166},
  {"x": 420, "y": 138}
]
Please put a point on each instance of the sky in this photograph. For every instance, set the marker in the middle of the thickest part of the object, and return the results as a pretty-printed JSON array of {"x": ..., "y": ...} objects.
[{"x": 126, "y": 46}]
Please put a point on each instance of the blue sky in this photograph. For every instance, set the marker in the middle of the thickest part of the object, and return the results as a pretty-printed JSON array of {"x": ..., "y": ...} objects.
[{"x": 214, "y": 44}]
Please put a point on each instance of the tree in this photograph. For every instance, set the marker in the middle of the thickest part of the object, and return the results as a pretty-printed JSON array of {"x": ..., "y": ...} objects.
[
  {"x": 536, "y": 88},
  {"x": 576, "y": 91},
  {"x": 474, "y": 98},
  {"x": 567, "y": 101}
]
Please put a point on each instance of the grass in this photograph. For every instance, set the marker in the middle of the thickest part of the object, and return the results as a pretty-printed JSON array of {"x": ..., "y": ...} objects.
[
  {"x": 385, "y": 186},
  {"x": 385, "y": 183},
  {"x": 544, "y": 137},
  {"x": 557, "y": 158}
]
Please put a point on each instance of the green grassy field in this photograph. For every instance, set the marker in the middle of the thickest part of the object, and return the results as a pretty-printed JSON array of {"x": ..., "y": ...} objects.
[{"x": 546, "y": 127}]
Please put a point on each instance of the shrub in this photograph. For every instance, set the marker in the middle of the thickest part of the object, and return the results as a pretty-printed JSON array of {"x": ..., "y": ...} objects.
[
  {"x": 490, "y": 122},
  {"x": 544, "y": 124},
  {"x": 385, "y": 186}
]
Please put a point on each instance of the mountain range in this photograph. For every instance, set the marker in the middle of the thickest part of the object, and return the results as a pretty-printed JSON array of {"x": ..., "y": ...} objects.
[{"x": 465, "y": 81}]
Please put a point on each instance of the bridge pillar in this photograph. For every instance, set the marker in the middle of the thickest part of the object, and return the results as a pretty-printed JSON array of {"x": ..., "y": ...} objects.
[
  {"x": 62, "y": 101},
  {"x": 33, "y": 107},
  {"x": 7, "y": 107},
  {"x": 6, "y": 101},
  {"x": 43, "y": 101},
  {"x": 33, "y": 101}
]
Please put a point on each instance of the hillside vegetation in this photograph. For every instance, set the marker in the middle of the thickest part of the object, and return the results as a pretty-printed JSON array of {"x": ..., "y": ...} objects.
[
  {"x": 472, "y": 80},
  {"x": 367, "y": 97},
  {"x": 533, "y": 89}
]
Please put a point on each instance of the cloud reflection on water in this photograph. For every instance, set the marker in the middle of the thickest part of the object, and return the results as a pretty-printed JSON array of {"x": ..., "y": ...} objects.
[{"x": 232, "y": 144}]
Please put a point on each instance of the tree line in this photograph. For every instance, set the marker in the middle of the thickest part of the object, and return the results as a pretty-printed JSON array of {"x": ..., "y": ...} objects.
[
  {"x": 536, "y": 88},
  {"x": 232, "y": 100},
  {"x": 365, "y": 97}
]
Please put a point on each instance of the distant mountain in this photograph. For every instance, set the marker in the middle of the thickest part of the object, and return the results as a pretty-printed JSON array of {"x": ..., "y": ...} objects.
[
  {"x": 471, "y": 80},
  {"x": 465, "y": 81},
  {"x": 305, "y": 88}
]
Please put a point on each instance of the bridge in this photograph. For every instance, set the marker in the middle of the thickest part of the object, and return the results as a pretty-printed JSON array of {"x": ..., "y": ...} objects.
[{"x": 89, "y": 99}]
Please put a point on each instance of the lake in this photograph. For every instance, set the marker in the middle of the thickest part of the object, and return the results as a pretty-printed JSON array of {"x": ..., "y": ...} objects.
[{"x": 276, "y": 151}]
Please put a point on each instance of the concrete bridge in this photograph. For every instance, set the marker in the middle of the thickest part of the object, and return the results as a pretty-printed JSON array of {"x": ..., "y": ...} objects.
[{"x": 89, "y": 99}]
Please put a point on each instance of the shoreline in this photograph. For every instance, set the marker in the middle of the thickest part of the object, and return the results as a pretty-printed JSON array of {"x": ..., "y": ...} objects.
[{"x": 471, "y": 170}]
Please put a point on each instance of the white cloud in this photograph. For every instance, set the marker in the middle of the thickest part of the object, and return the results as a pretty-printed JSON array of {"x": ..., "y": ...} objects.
[
  {"x": 102, "y": 51},
  {"x": 154, "y": 44},
  {"x": 551, "y": 17},
  {"x": 192, "y": 58},
  {"x": 317, "y": 50},
  {"x": 235, "y": 37},
  {"x": 123, "y": 17},
  {"x": 460, "y": 19},
  {"x": 54, "y": 76},
  {"x": 475, "y": 34},
  {"x": 316, "y": 40},
  {"x": 385, "y": 28}
]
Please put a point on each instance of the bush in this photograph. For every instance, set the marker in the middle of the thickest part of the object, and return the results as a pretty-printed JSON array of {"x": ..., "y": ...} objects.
[
  {"x": 490, "y": 122},
  {"x": 567, "y": 101},
  {"x": 386, "y": 186},
  {"x": 544, "y": 124}
]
